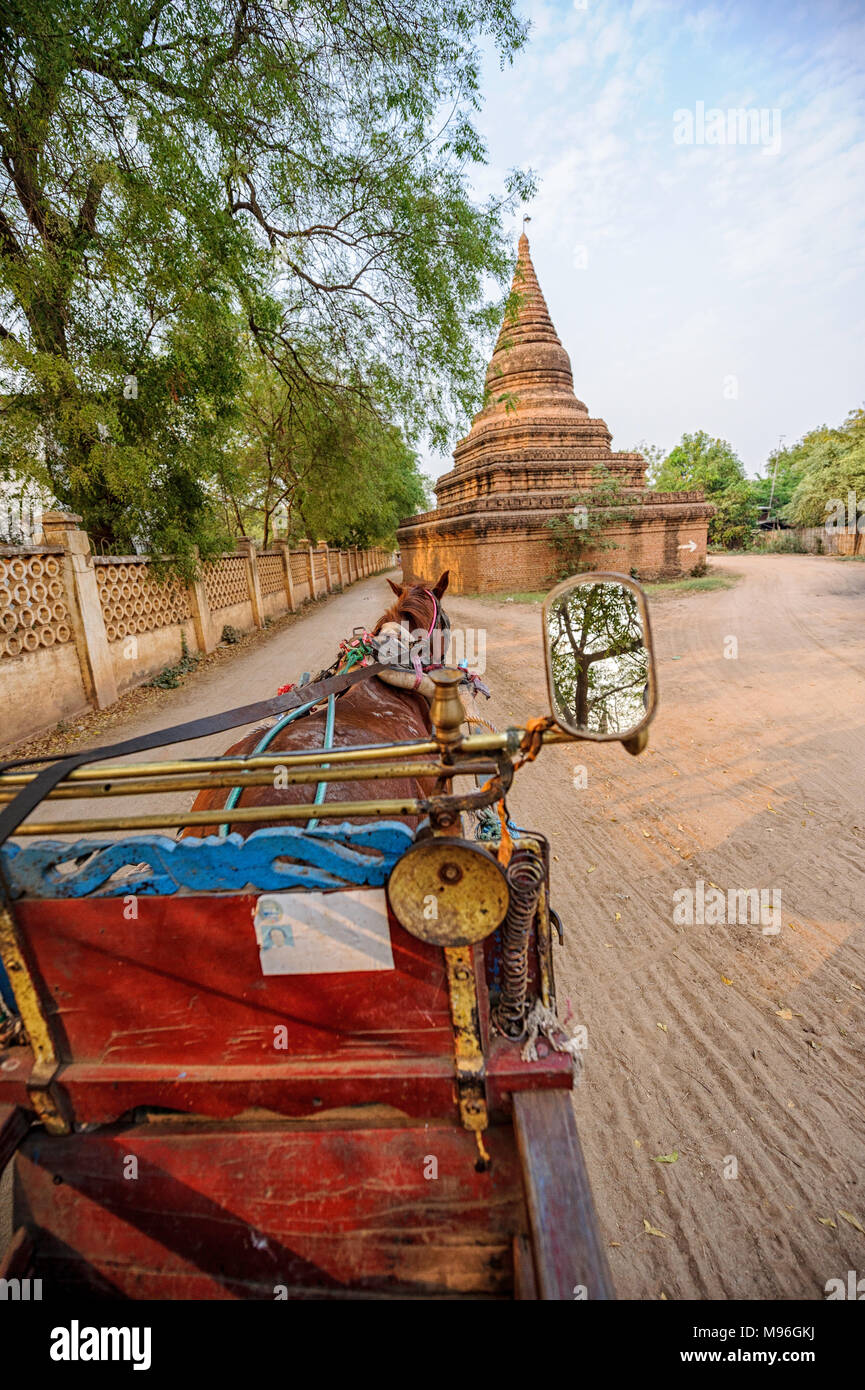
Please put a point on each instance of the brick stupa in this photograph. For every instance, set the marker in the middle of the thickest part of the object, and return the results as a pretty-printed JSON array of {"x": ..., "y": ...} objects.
[{"x": 529, "y": 452}]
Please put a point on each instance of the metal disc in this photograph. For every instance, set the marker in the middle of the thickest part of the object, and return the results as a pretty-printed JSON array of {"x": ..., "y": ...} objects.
[{"x": 448, "y": 892}]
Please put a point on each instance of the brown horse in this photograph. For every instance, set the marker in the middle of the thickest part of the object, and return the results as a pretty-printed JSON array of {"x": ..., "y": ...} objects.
[{"x": 369, "y": 712}]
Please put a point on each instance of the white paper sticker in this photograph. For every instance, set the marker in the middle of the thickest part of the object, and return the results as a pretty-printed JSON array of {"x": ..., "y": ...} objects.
[{"x": 319, "y": 933}]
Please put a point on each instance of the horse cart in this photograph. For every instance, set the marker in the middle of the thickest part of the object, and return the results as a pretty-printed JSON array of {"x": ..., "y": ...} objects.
[{"x": 308, "y": 1049}]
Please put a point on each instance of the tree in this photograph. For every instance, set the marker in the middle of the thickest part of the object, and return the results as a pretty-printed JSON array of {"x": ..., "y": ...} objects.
[
  {"x": 178, "y": 166},
  {"x": 732, "y": 526},
  {"x": 711, "y": 465},
  {"x": 332, "y": 470},
  {"x": 697, "y": 462},
  {"x": 830, "y": 464},
  {"x": 777, "y": 482}
]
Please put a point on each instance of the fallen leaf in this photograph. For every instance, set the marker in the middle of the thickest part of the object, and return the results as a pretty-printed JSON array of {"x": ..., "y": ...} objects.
[
  {"x": 784, "y": 1013},
  {"x": 618, "y": 916},
  {"x": 646, "y": 833},
  {"x": 770, "y": 807},
  {"x": 827, "y": 1221},
  {"x": 616, "y": 1244},
  {"x": 666, "y": 1158},
  {"x": 591, "y": 868},
  {"x": 725, "y": 981},
  {"x": 653, "y": 1230},
  {"x": 859, "y": 987},
  {"x": 638, "y": 1143},
  {"x": 851, "y": 1220},
  {"x": 663, "y": 1027}
]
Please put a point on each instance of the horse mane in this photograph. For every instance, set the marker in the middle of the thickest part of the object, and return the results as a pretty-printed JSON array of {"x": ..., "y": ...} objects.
[{"x": 413, "y": 604}]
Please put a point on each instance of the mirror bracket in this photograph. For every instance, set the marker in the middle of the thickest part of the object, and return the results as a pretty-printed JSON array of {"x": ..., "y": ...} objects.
[{"x": 637, "y": 743}]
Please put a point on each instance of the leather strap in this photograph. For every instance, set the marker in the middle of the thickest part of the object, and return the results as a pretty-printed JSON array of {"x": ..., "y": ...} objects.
[{"x": 47, "y": 779}]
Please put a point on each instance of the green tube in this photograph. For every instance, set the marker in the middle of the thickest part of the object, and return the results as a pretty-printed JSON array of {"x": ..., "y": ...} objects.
[
  {"x": 264, "y": 742},
  {"x": 321, "y": 789}
]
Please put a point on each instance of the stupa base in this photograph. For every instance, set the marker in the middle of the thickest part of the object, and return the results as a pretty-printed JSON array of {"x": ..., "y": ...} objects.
[{"x": 516, "y": 554}]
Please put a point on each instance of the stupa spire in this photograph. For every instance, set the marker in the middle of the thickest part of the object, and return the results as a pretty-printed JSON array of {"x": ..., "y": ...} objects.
[{"x": 529, "y": 360}]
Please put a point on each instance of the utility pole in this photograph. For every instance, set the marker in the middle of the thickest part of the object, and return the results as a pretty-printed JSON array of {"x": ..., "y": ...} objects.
[{"x": 781, "y": 438}]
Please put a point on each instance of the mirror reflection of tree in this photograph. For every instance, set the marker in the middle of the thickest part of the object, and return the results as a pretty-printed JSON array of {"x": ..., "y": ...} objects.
[{"x": 600, "y": 664}]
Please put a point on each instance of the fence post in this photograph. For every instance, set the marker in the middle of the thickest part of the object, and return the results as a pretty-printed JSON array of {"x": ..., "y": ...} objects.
[
  {"x": 199, "y": 611},
  {"x": 283, "y": 548},
  {"x": 85, "y": 610},
  {"x": 247, "y": 548},
  {"x": 327, "y": 584}
]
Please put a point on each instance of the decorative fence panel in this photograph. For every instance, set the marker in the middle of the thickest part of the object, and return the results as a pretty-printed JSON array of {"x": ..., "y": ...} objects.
[
  {"x": 133, "y": 600},
  {"x": 271, "y": 574},
  {"x": 226, "y": 582},
  {"x": 33, "y": 603}
]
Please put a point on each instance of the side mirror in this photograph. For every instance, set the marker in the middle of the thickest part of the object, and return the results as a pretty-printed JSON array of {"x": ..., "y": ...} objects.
[{"x": 600, "y": 666}]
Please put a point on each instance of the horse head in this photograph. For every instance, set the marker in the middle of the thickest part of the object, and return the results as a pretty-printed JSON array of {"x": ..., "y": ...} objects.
[{"x": 419, "y": 625}]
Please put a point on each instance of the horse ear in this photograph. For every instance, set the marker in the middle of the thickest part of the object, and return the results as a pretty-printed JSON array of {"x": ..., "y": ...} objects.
[
  {"x": 396, "y": 587},
  {"x": 441, "y": 584}
]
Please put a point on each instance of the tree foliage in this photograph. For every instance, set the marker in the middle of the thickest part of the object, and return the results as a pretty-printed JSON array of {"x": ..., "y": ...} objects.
[
  {"x": 825, "y": 466},
  {"x": 329, "y": 469},
  {"x": 697, "y": 462},
  {"x": 711, "y": 465},
  {"x": 182, "y": 173}
]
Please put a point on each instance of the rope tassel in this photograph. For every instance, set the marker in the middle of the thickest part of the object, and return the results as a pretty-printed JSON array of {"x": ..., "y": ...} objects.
[{"x": 542, "y": 1022}]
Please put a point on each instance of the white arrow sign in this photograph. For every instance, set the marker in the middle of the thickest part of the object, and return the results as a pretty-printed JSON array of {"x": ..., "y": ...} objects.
[{"x": 690, "y": 545}]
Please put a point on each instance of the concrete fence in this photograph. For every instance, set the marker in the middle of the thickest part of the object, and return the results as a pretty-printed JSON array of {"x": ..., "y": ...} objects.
[
  {"x": 816, "y": 540},
  {"x": 77, "y": 630}
]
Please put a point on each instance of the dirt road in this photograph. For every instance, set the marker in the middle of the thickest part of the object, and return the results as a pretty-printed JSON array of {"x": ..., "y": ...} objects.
[
  {"x": 754, "y": 778},
  {"x": 740, "y": 1052}
]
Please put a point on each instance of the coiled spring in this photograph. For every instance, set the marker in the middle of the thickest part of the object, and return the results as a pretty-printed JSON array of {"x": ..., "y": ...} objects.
[{"x": 525, "y": 879}]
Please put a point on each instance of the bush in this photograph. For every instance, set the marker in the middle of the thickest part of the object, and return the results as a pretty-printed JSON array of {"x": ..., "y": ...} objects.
[
  {"x": 735, "y": 517},
  {"x": 170, "y": 678}
]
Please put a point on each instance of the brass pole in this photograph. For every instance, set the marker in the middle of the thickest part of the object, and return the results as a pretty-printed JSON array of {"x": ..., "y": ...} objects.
[
  {"x": 474, "y": 743},
  {"x": 69, "y": 791}
]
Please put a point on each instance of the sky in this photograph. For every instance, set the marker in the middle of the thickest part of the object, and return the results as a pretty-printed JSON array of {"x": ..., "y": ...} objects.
[{"x": 695, "y": 284}]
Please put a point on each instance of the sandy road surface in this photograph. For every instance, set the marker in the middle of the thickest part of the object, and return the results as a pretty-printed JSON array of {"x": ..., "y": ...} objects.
[{"x": 755, "y": 778}]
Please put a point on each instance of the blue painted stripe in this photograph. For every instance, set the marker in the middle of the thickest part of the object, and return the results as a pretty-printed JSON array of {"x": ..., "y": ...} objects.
[{"x": 280, "y": 857}]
